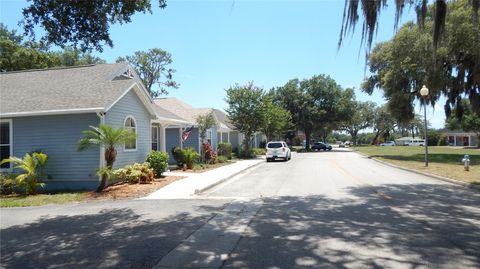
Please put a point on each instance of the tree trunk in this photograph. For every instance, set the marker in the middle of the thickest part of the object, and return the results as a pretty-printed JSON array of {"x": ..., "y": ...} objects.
[
  {"x": 110, "y": 156},
  {"x": 246, "y": 145},
  {"x": 354, "y": 137},
  {"x": 375, "y": 138},
  {"x": 307, "y": 140}
]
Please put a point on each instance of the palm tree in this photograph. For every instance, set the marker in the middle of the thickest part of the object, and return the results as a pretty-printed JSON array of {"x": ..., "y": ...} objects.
[
  {"x": 108, "y": 137},
  {"x": 32, "y": 166}
]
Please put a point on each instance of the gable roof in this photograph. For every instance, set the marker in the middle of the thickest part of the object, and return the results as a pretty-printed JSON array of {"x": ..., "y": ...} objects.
[
  {"x": 181, "y": 109},
  {"x": 88, "y": 88},
  {"x": 222, "y": 117}
]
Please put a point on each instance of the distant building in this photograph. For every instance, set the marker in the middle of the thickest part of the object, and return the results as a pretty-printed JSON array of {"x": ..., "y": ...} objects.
[{"x": 460, "y": 138}]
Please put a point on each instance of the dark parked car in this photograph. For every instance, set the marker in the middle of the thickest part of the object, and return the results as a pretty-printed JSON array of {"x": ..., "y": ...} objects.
[{"x": 321, "y": 145}]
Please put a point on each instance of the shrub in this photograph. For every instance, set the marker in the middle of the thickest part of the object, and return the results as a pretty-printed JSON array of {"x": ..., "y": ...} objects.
[
  {"x": 158, "y": 162},
  {"x": 178, "y": 156},
  {"x": 259, "y": 151},
  {"x": 222, "y": 159},
  {"x": 135, "y": 173},
  {"x": 209, "y": 155},
  {"x": 443, "y": 140},
  {"x": 297, "y": 141},
  {"x": 7, "y": 183},
  {"x": 225, "y": 149},
  {"x": 32, "y": 166},
  {"x": 190, "y": 156}
]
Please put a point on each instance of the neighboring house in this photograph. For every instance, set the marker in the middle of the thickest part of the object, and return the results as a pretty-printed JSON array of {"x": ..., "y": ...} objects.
[
  {"x": 222, "y": 132},
  {"x": 48, "y": 110},
  {"x": 460, "y": 138}
]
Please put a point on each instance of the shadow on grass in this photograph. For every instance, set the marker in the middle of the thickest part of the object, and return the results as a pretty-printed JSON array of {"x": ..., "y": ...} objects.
[
  {"x": 432, "y": 157},
  {"x": 436, "y": 226}
]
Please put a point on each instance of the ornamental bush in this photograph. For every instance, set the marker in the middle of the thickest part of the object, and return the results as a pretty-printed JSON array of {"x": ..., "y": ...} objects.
[
  {"x": 178, "y": 156},
  {"x": 209, "y": 155},
  {"x": 225, "y": 149},
  {"x": 135, "y": 173},
  {"x": 190, "y": 157},
  {"x": 222, "y": 159},
  {"x": 158, "y": 162}
]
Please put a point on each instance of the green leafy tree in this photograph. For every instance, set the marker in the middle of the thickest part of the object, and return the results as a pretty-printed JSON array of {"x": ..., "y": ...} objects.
[
  {"x": 245, "y": 110},
  {"x": 276, "y": 120},
  {"x": 204, "y": 123},
  {"x": 17, "y": 54},
  {"x": 402, "y": 65},
  {"x": 32, "y": 166},
  {"x": 371, "y": 12},
  {"x": 81, "y": 24},
  {"x": 383, "y": 123},
  {"x": 107, "y": 137},
  {"x": 152, "y": 67},
  {"x": 315, "y": 103},
  {"x": 362, "y": 117}
]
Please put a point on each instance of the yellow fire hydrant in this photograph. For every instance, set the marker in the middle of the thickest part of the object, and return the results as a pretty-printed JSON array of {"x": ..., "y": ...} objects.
[{"x": 466, "y": 162}]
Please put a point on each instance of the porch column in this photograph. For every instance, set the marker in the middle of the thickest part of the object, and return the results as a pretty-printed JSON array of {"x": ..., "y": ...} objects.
[
  {"x": 180, "y": 137},
  {"x": 163, "y": 140},
  {"x": 221, "y": 137},
  {"x": 228, "y": 137}
]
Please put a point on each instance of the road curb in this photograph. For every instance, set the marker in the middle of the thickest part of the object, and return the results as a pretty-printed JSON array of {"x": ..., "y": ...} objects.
[
  {"x": 199, "y": 191},
  {"x": 450, "y": 180}
]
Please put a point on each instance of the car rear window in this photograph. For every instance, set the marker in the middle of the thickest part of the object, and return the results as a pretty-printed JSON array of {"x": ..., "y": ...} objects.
[{"x": 274, "y": 145}]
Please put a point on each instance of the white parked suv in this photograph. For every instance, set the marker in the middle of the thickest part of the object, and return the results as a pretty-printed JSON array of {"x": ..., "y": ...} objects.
[
  {"x": 415, "y": 142},
  {"x": 278, "y": 149}
]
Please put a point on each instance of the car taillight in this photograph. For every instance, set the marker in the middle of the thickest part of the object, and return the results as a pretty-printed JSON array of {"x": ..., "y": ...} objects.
[{"x": 283, "y": 149}]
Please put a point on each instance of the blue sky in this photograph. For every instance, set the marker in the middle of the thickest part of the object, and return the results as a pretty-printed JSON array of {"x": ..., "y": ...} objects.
[{"x": 216, "y": 44}]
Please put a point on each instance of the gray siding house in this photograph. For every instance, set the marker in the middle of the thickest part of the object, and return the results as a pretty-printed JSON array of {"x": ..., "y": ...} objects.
[
  {"x": 48, "y": 110},
  {"x": 222, "y": 132}
]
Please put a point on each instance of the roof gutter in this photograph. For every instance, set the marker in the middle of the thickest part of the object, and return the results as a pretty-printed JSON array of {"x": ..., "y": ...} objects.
[{"x": 52, "y": 112}]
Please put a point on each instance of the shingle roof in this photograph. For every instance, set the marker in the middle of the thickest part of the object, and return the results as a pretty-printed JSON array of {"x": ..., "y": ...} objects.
[
  {"x": 181, "y": 109},
  {"x": 163, "y": 113},
  {"x": 189, "y": 113},
  {"x": 223, "y": 118},
  {"x": 73, "y": 88}
]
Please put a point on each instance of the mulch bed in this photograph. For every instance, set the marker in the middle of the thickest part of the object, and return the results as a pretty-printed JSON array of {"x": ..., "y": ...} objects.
[{"x": 129, "y": 191}]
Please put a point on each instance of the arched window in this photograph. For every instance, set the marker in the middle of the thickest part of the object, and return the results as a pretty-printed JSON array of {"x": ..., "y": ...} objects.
[{"x": 131, "y": 124}]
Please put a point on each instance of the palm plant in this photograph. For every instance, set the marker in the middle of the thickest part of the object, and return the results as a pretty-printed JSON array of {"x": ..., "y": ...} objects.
[
  {"x": 32, "y": 166},
  {"x": 106, "y": 136}
]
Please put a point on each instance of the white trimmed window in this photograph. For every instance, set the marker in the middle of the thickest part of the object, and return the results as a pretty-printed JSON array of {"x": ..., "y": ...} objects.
[
  {"x": 5, "y": 143},
  {"x": 154, "y": 138},
  {"x": 131, "y": 124}
]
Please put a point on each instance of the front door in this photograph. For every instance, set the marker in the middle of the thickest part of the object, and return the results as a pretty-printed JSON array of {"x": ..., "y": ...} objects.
[{"x": 466, "y": 141}]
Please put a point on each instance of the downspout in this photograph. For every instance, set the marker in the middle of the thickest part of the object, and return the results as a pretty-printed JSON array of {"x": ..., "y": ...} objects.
[{"x": 101, "y": 115}]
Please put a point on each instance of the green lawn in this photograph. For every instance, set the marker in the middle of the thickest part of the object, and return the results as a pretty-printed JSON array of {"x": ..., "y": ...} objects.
[
  {"x": 443, "y": 161},
  {"x": 40, "y": 199}
]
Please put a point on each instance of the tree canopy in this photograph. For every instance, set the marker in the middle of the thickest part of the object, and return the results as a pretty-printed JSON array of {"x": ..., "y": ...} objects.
[
  {"x": 152, "y": 67},
  {"x": 78, "y": 23},
  {"x": 362, "y": 117},
  {"x": 18, "y": 54},
  {"x": 245, "y": 110},
  {"x": 315, "y": 103},
  {"x": 402, "y": 65}
]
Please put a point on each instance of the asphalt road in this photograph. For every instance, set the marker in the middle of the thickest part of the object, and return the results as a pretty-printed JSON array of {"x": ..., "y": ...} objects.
[
  {"x": 320, "y": 210},
  {"x": 342, "y": 210}
]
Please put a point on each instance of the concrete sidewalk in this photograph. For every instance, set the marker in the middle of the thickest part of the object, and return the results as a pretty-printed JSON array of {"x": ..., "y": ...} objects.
[{"x": 198, "y": 182}]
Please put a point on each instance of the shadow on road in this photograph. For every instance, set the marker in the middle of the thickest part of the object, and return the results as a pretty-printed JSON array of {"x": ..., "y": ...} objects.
[
  {"x": 406, "y": 226},
  {"x": 110, "y": 239},
  {"x": 437, "y": 226}
]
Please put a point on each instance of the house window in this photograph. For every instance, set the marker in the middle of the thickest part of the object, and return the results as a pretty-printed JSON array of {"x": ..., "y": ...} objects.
[
  {"x": 209, "y": 136},
  {"x": 154, "y": 138},
  {"x": 5, "y": 142},
  {"x": 130, "y": 124}
]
